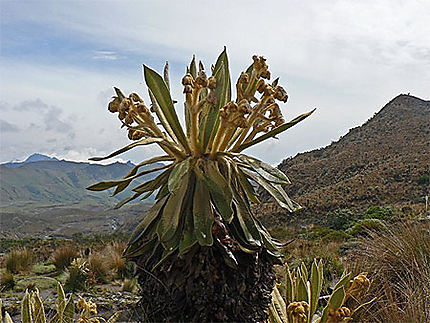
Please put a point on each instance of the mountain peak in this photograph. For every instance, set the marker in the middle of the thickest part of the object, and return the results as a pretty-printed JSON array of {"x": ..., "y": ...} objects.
[
  {"x": 39, "y": 157},
  {"x": 382, "y": 162}
]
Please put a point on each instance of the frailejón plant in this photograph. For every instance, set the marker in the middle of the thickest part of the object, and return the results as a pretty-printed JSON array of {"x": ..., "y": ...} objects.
[
  {"x": 296, "y": 299},
  {"x": 201, "y": 230},
  {"x": 33, "y": 311}
]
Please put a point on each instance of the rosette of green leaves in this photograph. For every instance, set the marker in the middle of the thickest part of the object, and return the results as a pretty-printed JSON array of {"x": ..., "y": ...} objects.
[{"x": 197, "y": 189}]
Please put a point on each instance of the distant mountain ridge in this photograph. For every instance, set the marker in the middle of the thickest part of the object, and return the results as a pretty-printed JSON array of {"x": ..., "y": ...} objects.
[
  {"x": 30, "y": 159},
  {"x": 44, "y": 179},
  {"x": 383, "y": 162}
]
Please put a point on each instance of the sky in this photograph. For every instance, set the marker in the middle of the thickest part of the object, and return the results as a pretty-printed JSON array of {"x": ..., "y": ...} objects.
[{"x": 60, "y": 59}]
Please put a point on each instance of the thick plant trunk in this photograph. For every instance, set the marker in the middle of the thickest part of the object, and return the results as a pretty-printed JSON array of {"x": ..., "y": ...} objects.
[{"x": 201, "y": 287}]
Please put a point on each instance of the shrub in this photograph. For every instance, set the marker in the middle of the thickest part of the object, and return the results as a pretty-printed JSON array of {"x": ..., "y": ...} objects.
[
  {"x": 399, "y": 260},
  {"x": 63, "y": 257},
  {"x": 7, "y": 281},
  {"x": 381, "y": 213},
  {"x": 366, "y": 225},
  {"x": 424, "y": 179},
  {"x": 78, "y": 276},
  {"x": 19, "y": 260},
  {"x": 326, "y": 234},
  {"x": 340, "y": 219}
]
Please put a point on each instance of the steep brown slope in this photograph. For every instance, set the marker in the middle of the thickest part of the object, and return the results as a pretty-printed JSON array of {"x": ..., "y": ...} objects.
[{"x": 383, "y": 162}]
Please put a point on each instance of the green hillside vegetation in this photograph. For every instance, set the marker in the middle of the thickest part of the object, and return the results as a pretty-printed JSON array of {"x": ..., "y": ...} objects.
[{"x": 60, "y": 182}]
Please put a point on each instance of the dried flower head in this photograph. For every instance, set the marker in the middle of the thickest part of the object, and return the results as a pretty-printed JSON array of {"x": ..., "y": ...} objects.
[
  {"x": 338, "y": 316},
  {"x": 298, "y": 310},
  {"x": 359, "y": 285}
]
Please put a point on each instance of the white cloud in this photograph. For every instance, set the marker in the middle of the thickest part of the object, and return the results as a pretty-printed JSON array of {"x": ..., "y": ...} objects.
[{"x": 104, "y": 54}]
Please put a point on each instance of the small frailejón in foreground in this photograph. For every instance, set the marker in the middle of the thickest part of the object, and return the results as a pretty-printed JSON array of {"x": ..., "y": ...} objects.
[{"x": 201, "y": 254}]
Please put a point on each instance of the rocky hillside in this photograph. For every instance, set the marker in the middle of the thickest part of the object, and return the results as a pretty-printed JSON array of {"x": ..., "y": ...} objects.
[{"x": 385, "y": 161}]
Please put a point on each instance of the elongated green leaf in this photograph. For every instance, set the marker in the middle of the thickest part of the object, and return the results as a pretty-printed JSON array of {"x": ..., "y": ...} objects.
[
  {"x": 273, "y": 313},
  {"x": 268, "y": 172},
  {"x": 223, "y": 95},
  {"x": 223, "y": 92},
  {"x": 122, "y": 183},
  {"x": 157, "y": 252},
  {"x": 166, "y": 75},
  {"x": 336, "y": 299},
  {"x": 334, "y": 302},
  {"x": 315, "y": 290},
  {"x": 237, "y": 232},
  {"x": 187, "y": 242},
  {"x": 162, "y": 192},
  {"x": 138, "y": 249},
  {"x": 177, "y": 175},
  {"x": 280, "y": 305},
  {"x": 69, "y": 311},
  {"x": 169, "y": 219},
  {"x": 105, "y": 185},
  {"x": 142, "y": 142},
  {"x": 302, "y": 291},
  {"x": 219, "y": 189},
  {"x": 155, "y": 183},
  {"x": 276, "y": 191},
  {"x": 247, "y": 186},
  {"x": 39, "y": 311},
  {"x": 272, "y": 249},
  {"x": 26, "y": 316},
  {"x": 162, "y": 95},
  {"x": 148, "y": 162},
  {"x": 61, "y": 299},
  {"x": 274, "y": 132},
  {"x": 202, "y": 214},
  {"x": 150, "y": 216},
  {"x": 289, "y": 286},
  {"x": 173, "y": 242},
  {"x": 304, "y": 271},
  {"x": 207, "y": 118},
  {"x": 246, "y": 221},
  {"x": 321, "y": 273},
  {"x": 161, "y": 117},
  {"x": 344, "y": 281},
  {"x": 7, "y": 318},
  {"x": 166, "y": 254}
]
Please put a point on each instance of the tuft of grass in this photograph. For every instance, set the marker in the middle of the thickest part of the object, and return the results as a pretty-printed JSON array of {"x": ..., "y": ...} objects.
[
  {"x": 98, "y": 267},
  {"x": 7, "y": 281},
  {"x": 399, "y": 262},
  {"x": 63, "y": 257},
  {"x": 115, "y": 260},
  {"x": 20, "y": 259},
  {"x": 129, "y": 285}
]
